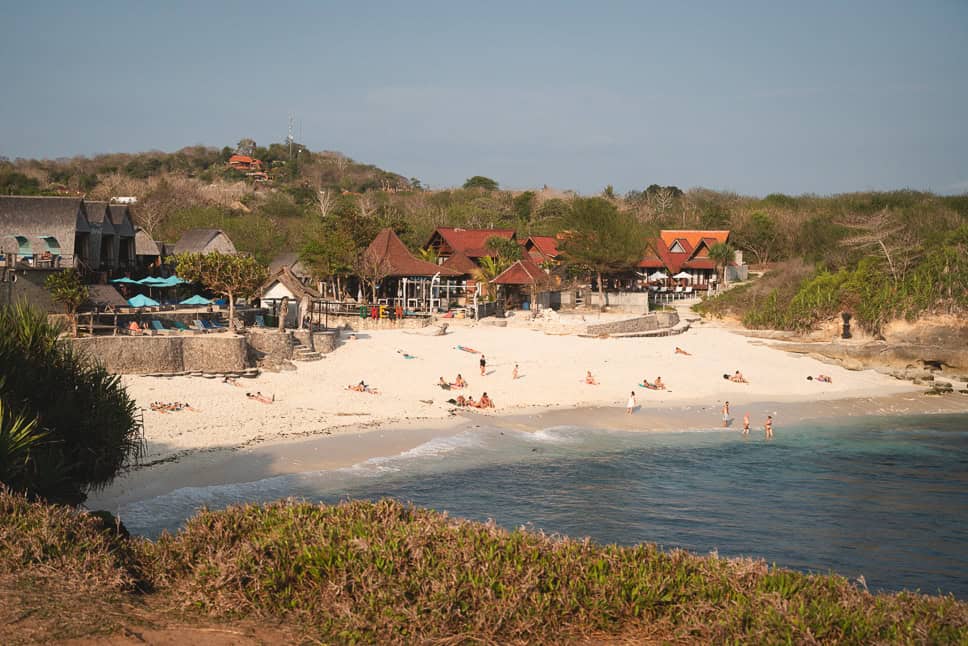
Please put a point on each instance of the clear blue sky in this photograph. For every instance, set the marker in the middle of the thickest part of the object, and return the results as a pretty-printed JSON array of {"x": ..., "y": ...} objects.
[{"x": 753, "y": 97}]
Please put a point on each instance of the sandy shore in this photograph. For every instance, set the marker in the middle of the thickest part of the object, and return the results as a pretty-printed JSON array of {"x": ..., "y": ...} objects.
[{"x": 316, "y": 423}]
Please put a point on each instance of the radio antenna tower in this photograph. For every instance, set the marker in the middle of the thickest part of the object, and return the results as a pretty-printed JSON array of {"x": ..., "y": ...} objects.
[{"x": 289, "y": 138}]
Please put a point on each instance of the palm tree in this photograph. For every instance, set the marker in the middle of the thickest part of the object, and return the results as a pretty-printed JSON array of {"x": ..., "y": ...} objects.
[
  {"x": 722, "y": 254},
  {"x": 489, "y": 269}
]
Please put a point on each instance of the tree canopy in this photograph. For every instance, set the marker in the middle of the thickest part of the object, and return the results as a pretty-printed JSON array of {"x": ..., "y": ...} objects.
[
  {"x": 229, "y": 275},
  {"x": 601, "y": 238},
  {"x": 66, "y": 288},
  {"x": 479, "y": 181}
]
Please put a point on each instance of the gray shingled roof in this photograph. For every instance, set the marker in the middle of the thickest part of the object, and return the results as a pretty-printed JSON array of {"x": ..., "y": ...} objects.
[
  {"x": 99, "y": 216},
  {"x": 28, "y": 213},
  {"x": 144, "y": 245},
  {"x": 196, "y": 240},
  {"x": 121, "y": 216}
]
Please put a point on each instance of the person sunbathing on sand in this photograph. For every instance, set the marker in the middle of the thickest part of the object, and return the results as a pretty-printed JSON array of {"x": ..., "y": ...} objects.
[
  {"x": 485, "y": 402},
  {"x": 822, "y": 378},
  {"x": 259, "y": 397},
  {"x": 470, "y": 402},
  {"x": 658, "y": 384},
  {"x": 681, "y": 351},
  {"x": 459, "y": 382},
  {"x": 737, "y": 377},
  {"x": 443, "y": 384},
  {"x": 363, "y": 388},
  {"x": 589, "y": 379}
]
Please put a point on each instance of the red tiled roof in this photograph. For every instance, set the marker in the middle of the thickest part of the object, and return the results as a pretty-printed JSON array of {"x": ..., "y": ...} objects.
[
  {"x": 522, "y": 272},
  {"x": 461, "y": 263},
  {"x": 693, "y": 236},
  {"x": 546, "y": 245},
  {"x": 472, "y": 242},
  {"x": 388, "y": 248},
  {"x": 699, "y": 263}
]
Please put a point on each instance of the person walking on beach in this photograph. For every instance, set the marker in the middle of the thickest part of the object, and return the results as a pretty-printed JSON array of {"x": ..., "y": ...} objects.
[
  {"x": 631, "y": 404},
  {"x": 483, "y": 364},
  {"x": 514, "y": 373},
  {"x": 725, "y": 414},
  {"x": 746, "y": 424},
  {"x": 768, "y": 427}
]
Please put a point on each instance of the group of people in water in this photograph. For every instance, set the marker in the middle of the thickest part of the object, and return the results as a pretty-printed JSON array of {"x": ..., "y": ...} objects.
[{"x": 767, "y": 425}]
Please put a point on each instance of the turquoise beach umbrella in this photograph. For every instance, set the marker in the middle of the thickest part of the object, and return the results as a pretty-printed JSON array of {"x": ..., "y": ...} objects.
[
  {"x": 196, "y": 300},
  {"x": 141, "y": 300}
]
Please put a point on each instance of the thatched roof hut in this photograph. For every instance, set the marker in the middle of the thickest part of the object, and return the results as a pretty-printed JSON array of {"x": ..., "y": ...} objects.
[{"x": 204, "y": 241}]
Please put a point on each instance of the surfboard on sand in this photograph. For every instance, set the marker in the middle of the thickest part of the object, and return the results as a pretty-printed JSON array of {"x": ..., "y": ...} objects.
[{"x": 466, "y": 349}]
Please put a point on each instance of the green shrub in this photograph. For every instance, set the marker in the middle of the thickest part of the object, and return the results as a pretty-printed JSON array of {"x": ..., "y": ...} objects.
[{"x": 87, "y": 419}]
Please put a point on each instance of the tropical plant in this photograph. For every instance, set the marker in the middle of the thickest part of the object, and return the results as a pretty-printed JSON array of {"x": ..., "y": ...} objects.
[
  {"x": 66, "y": 288},
  {"x": 329, "y": 253},
  {"x": 601, "y": 239},
  {"x": 722, "y": 254},
  {"x": 486, "y": 272},
  {"x": 429, "y": 254},
  {"x": 508, "y": 251},
  {"x": 229, "y": 275},
  {"x": 18, "y": 435},
  {"x": 87, "y": 420}
]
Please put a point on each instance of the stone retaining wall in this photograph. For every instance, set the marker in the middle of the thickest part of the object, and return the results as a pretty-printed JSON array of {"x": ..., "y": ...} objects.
[
  {"x": 325, "y": 342},
  {"x": 647, "y": 323},
  {"x": 632, "y": 301},
  {"x": 219, "y": 352},
  {"x": 269, "y": 343},
  {"x": 357, "y": 324}
]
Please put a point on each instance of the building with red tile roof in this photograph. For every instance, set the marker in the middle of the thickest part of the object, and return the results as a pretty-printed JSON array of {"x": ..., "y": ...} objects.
[
  {"x": 387, "y": 249},
  {"x": 541, "y": 248},
  {"x": 676, "y": 251},
  {"x": 245, "y": 163},
  {"x": 446, "y": 241}
]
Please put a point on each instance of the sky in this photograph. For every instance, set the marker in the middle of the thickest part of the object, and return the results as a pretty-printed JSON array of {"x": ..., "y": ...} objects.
[{"x": 754, "y": 97}]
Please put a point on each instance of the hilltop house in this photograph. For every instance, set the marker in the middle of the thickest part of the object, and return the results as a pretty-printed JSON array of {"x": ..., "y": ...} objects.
[
  {"x": 245, "y": 163},
  {"x": 204, "y": 241}
]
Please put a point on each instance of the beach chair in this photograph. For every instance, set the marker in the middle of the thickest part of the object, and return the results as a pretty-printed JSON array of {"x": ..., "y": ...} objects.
[
  {"x": 260, "y": 321},
  {"x": 157, "y": 326},
  {"x": 212, "y": 325},
  {"x": 200, "y": 326},
  {"x": 181, "y": 327}
]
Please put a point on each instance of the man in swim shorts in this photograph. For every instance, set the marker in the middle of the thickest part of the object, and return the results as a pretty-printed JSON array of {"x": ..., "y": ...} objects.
[
  {"x": 725, "y": 414},
  {"x": 746, "y": 424}
]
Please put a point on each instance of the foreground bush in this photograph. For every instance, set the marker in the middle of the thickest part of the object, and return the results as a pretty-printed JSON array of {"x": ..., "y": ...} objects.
[
  {"x": 67, "y": 425},
  {"x": 384, "y": 572}
]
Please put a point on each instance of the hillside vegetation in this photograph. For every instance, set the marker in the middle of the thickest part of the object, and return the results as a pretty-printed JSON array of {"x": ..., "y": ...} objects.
[
  {"x": 383, "y": 572},
  {"x": 881, "y": 255}
]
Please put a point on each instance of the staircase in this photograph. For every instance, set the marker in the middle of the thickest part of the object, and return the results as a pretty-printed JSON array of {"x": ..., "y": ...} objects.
[{"x": 301, "y": 353}]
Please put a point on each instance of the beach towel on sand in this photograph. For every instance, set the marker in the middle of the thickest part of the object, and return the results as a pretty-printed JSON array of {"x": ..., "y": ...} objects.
[{"x": 466, "y": 349}]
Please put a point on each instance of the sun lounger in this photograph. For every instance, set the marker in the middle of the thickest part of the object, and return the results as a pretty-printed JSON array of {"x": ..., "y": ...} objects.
[
  {"x": 260, "y": 321},
  {"x": 181, "y": 327},
  {"x": 200, "y": 326},
  {"x": 157, "y": 326}
]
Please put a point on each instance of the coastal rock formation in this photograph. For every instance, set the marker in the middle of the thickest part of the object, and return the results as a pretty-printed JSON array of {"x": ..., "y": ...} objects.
[{"x": 907, "y": 351}]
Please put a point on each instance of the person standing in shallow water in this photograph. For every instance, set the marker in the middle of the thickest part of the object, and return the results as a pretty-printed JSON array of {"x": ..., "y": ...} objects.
[
  {"x": 768, "y": 427},
  {"x": 725, "y": 414},
  {"x": 746, "y": 424},
  {"x": 483, "y": 364},
  {"x": 631, "y": 404}
]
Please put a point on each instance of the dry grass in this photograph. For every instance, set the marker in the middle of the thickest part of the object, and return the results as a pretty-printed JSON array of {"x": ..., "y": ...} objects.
[{"x": 384, "y": 572}]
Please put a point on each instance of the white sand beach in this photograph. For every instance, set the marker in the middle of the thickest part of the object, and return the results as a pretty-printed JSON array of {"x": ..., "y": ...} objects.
[
  {"x": 316, "y": 423},
  {"x": 314, "y": 399}
]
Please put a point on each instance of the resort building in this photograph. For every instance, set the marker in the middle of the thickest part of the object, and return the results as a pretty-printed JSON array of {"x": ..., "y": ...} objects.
[
  {"x": 541, "y": 249},
  {"x": 407, "y": 281},
  {"x": 471, "y": 243},
  {"x": 683, "y": 256},
  {"x": 49, "y": 232},
  {"x": 204, "y": 241},
  {"x": 522, "y": 283}
]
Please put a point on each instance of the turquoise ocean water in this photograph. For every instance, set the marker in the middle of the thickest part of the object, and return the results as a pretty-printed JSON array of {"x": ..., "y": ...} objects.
[{"x": 885, "y": 498}]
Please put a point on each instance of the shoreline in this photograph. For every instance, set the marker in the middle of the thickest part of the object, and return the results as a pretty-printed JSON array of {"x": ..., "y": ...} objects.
[{"x": 353, "y": 445}]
